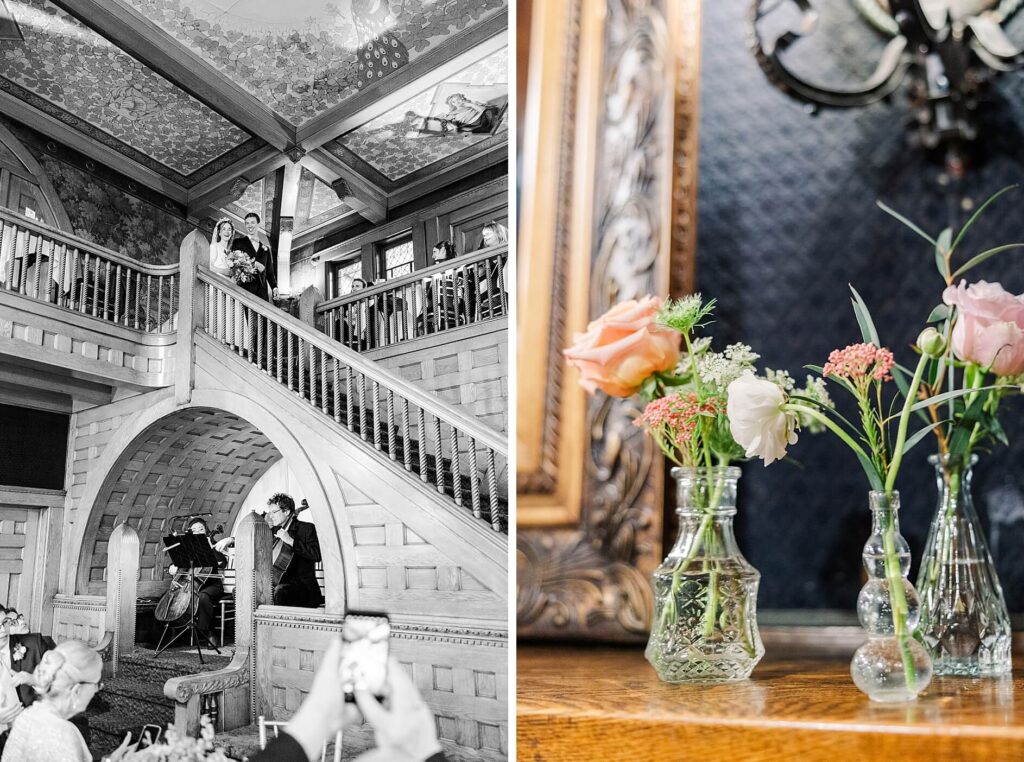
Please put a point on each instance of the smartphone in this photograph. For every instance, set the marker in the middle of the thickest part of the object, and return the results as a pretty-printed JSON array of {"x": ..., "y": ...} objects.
[{"x": 364, "y": 654}]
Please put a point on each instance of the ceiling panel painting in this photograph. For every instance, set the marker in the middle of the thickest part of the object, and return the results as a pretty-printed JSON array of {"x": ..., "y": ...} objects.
[
  {"x": 302, "y": 57},
  {"x": 70, "y": 72},
  {"x": 258, "y": 197},
  {"x": 317, "y": 203},
  {"x": 461, "y": 112}
]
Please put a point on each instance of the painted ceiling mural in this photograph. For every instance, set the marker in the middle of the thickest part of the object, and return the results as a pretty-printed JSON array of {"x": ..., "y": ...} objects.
[
  {"x": 303, "y": 57},
  {"x": 69, "y": 71},
  {"x": 435, "y": 124}
]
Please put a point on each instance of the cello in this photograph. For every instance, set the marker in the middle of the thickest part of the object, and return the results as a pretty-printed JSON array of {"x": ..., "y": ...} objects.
[
  {"x": 283, "y": 552},
  {"x": 174, "y": 607}
]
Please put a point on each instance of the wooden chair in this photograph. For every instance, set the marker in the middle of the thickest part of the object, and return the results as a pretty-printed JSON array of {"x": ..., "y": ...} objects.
[{"x": 276, "y": 725}]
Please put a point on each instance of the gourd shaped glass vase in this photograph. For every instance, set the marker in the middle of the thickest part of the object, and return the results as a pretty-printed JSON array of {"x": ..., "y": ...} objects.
[
  {"x": 891, "y": 666},
  {"x": 964, "y": 621},
  {"x": 705, "y": 591}
]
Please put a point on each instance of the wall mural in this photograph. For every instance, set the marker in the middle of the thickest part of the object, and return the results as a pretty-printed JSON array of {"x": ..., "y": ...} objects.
[
  {"x": 317, "y": 203},
  {"x": 112, "y": 218},
  {"x": 65, "y": 69},
  {"x": 305, "y": 56},
  {"x": 787, "y": 218},
  {"x": 457, "y": 114}
]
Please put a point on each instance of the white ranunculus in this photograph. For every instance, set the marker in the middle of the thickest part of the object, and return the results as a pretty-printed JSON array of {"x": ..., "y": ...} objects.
[{"x": 756, "y": 418}]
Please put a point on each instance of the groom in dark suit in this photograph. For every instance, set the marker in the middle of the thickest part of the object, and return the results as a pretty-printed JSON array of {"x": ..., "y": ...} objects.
[{"x": 265, "y": 282}]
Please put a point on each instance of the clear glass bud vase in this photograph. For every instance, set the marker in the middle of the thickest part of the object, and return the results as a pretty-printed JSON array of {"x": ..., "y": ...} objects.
[
  {"x": 891, "y": 666},
  {"x": 964, "y": 621},
  {"x": 705, "y": 591}
]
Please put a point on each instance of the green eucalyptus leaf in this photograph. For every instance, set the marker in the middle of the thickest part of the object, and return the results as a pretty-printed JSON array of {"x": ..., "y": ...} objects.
[
  {"x": 940, "y": 313},
  {"x": 893, "y": 213},
  {"x": 941, "y": 250},
  {"x": 977, "y": 213},
  {"x": 974, "y": 261},
  {"x": 971, "y": 417},
  {"x": 997, "y": 431},
  {"x": 903, "y": 377},
  {"x": 867, "y": 326},
  {"x": 869, "y": 469}
]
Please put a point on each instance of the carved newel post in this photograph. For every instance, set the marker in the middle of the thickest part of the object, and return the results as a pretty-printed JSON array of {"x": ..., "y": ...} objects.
[
  {"x": 235, "y": 689},
  {"x": 194, "y": 250},
  {"x": 122, "y": 588}
]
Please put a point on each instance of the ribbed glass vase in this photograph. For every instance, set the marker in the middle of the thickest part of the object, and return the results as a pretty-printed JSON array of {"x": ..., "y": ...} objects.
[
  {"x": 891, "y": 666},
  {"x": 705, "y": 591},
  {"x": 964, "y": 621}
]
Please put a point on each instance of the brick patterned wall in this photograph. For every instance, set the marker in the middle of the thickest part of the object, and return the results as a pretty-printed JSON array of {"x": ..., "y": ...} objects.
[{"x": 467, "y": 368}]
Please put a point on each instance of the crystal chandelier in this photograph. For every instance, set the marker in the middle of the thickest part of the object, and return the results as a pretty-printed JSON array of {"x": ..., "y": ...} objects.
[{"x": 943, "y": 53}]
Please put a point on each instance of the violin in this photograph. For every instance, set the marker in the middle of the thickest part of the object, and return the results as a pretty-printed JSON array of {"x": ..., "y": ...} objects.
[{"x": 174, "y": 606}]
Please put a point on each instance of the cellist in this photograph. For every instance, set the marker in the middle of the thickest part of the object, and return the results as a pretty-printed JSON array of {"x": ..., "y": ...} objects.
[
  {"x": 211, "y": 589},
  {"x": 295, "y": 553}
]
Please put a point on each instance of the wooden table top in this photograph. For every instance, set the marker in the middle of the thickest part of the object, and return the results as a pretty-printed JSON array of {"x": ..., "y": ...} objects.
[{"x": 604, "y": 703}]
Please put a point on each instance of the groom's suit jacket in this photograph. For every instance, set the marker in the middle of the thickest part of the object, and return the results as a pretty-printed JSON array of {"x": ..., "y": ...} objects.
[{"x": 263, "y": 282}]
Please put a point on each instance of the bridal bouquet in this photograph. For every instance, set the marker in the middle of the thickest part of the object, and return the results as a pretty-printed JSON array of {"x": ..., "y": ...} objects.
[{"x": 243, "y": 267}]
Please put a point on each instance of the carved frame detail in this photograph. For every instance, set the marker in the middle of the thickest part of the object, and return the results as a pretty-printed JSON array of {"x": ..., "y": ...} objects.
[{"x": 609, "y": 215}]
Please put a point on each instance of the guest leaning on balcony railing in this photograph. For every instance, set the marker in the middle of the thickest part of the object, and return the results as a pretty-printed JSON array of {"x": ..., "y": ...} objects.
[
  {"x": 449, "y": 294},
  {"x": 490, "y": 289}
]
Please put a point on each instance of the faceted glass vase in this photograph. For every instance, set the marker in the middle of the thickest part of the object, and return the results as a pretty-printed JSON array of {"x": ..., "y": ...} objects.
[
  {"x": 964, "y": 621},
  {"x": 705, "y": 592},
  {"x": 891, "y": 666}
]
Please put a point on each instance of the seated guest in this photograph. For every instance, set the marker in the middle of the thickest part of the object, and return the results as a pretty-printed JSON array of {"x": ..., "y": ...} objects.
[
  {"x": 449, "y": 293},
  {"x": 19, "y": 655},
  {"x": 16, "y": 622},
  {"x": 354, "y": 320},
  {"x": 66, "y": 679}
]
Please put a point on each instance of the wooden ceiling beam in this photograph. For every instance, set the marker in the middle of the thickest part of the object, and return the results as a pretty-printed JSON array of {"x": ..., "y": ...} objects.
[
  {"x": 145, "y": 41},
  {"x": 220, "y": 186},
  {"x": 352, "y": 188},
  {"x": 430, "y": 69},
  {"x": 30, "y": 378}
]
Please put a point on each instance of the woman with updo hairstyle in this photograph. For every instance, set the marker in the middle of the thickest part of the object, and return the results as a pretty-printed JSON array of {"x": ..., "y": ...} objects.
[{"x": 66, "y": 679}]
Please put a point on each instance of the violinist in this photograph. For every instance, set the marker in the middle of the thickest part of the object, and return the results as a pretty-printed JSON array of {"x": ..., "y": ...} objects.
[{"x": 211, "y": 589}]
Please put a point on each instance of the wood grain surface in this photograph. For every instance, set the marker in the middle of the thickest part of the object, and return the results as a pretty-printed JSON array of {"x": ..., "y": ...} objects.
[{"x": 604, "y": 703}]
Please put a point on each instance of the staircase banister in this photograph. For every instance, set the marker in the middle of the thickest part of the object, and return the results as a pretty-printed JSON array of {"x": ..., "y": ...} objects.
[
  {"x": 81, "y": 243},
  {"x": 449, "y": 414},
  {"x": 414, "y": 277}
]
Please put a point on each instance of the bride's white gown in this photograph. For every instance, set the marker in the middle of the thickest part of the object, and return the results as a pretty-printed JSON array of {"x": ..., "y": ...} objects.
[{"x": 239, "y": 325}]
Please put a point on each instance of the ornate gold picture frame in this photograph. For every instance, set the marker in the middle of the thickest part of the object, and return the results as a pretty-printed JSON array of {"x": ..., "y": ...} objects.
[{"x": 608, "y": 210}]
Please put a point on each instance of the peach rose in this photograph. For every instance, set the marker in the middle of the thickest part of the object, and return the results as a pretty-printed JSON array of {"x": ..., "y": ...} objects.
[
  {"x": 623, "y": 347},
  {"x": 989, "y": 328}
]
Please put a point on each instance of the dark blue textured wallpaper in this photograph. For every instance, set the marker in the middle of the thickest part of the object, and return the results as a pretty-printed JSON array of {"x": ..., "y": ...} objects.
[{"x": 786, "y": 219}]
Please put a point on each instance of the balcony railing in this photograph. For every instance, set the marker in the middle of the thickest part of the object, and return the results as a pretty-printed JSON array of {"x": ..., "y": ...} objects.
[
  {"x": 461, "y": 458},
  {"x": 459, "y": 292},
  {"x": 62, "y": 269}
]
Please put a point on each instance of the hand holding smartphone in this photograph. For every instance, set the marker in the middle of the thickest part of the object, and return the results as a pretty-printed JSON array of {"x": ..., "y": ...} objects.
[{"x": 364, "y": 655}]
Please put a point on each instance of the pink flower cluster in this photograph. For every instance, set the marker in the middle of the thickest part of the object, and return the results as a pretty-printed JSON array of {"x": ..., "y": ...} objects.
[
  {"x": 860, "y": 361},
  {"x": 676, "y": 415}
]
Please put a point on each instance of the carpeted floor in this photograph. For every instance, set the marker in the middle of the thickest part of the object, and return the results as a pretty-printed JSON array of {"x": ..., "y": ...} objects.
[{"x": 136, "y": 696}]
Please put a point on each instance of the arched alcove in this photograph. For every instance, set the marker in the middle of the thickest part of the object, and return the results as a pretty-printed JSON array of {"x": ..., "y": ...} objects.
[{"x": 195, "y": 461}]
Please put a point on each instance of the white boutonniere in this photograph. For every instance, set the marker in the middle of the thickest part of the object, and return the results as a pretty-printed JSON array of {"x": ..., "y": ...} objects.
[{"x": 18, "y": 652}]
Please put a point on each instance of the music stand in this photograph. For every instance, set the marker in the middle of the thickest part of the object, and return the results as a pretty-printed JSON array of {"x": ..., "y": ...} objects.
[{"x": 192, "y": 551}]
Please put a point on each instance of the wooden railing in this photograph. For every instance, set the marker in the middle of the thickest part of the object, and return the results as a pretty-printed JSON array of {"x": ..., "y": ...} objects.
[
  {"x": 62, "y": 269},
  {"x": 459, "y": 456},
  {"x": 459, "y": 292}
]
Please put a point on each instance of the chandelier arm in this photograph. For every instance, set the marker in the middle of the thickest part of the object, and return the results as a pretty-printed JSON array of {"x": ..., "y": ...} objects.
[
  {"x": 875, "y": 15},
  {"x": 991, "y": 44},
  {"x": 887, "y": 76},
  {"x": 914, "y": 22}
]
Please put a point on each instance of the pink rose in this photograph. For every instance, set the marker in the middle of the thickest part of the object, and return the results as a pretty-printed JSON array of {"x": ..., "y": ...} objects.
[
  {"x": 989, "y": 329},
  {"x": 623, "y": 347}
]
